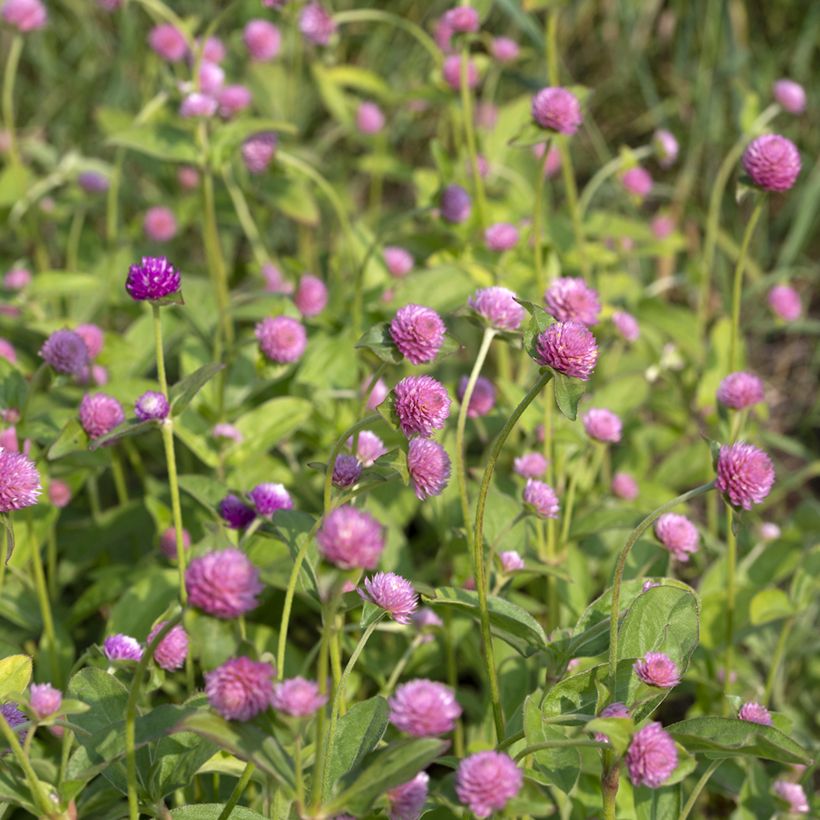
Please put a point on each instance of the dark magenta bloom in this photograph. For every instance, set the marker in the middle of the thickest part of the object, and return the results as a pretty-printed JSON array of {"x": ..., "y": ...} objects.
[
  {"x": 65, "y": 351},
  {"x": 235, "y": 512},
  {"x": 151, "y": 405},
  {"x": 153, "y": 279}
]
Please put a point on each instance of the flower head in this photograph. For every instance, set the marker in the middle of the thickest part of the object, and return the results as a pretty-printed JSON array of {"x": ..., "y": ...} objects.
[
  {"x": 65, "y": 351},
  {"x": 455, "y": 204},
  {"x": 262, "y": 39},
  {"x": 59, "y": 493},
  {"x": 451, "y": 71},
  {"x": 240, "y": 689},
  {"x": 501, "y": 237},
  {"x": 784, "y": 300},
  {"x": 211, "y": 78},
  {"x": 755, "y": 713},
  {"x": 624, "y": 486},
  {"x": 569, "y": 348},
  {"x": 557, "y": 109},
  {"x": 151, "y": 405},
  {"x": 19, "y": 481},
  {"x": 487, "y": 781},
  {"x": 424, "y": 708},
  {"x": 167, "y": 41},
  {"x": 422, "y": 405},
  {"x": 651, "y": 757},
  {"x": 497, "y": 306},
  {"x": 678, "y": 534},
  {"x": 17, "y": 279},
  {"x": 93, "y": 337},
  {"x": 790, "y": 96},
  {"x": 569, "y": 298},
  {"x": 511, "y": 561},
  {"x": 168, "y": 542},
  {"x": 740, "y": 390},
  {"x": 744, "y": 474},
  {"x": 7, "y": 351},
  {"x": 369, "y": 118},
  {"x": 378, "y": 392},
  {"x": 504, "y": 49},
  {"x": 227, "y": 432},
  {"x": 398, "y": 260},
  {"x": 224, "y": 584},
  {"x": 269, "y": 498},
  {"x": 297, "y": 697},
  {"x": 794, "y": 795},
  {"x": 482, "y": 400},
  {"x": 160, "y": 224},
  {"x": 100, "y": 414},
  {"x": 346, "y": 471},
  {"x": 602, "y": 425},
  {"x": 637, "y": 181},
  {"x": 281, "y": 338},
  {"x": 626, "y": 324},
  {"x": 198, "y": 104},
  {"x": 25, "y": 15},
  {"x": 351, "y": 538},
  {"x": 121, "y": 647},
  {"x": 541, "y": 499},
  {"x": 462, "y": 19},
  {"x": 153, "y": 279},
  {"x": 235, "y": 512},
  {"x": 429, "y": 467},
  {"x": 394, "y": 594},
  {"x": 530, "y": 465},
  {"x": 657, "y": 669},
  {"x": 772, "y": 162},
  {"x": 769, "y": 531},
  {"x": 311, "y": 296},
  {"x": 258, "y": 151},
  {"x": 418, "y": 333},
  {"x": 407, "y": 800},
  {"x": 666, "y": 147},
  {"x": 316, "y": 24},
  {"x": 614, "y": 710},
  {"x": 12, "y": 714},
  {"x": 232, "y": 99},
  {"x": 45, "y": 700},
  {"x": 171, "y": 652},
  {"x": 662, "y": 226},
  {"x": 369, "y": 447}
]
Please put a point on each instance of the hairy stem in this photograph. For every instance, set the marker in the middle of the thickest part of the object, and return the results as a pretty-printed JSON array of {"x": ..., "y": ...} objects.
[
  {"x": 237, "y": 792},
  {"x": 774, "y": 667},
  {"x": 731, "y": 564},
  {"x": 46, "y": 807},
  {"x": 699, "y": 786},
  {"x": 9, "y": 77}
]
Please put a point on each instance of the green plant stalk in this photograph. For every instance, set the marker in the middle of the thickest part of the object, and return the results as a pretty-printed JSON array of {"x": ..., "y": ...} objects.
[
  {"x": 571, "y": 191},
  {"x": 777, "y": 660},
  {"x": 452, "y": 679},
  {"x": 548, "y": 556},
  {"x": 51, "y": 562},
  {"x": 41, "y": 800},
  {"x": 538, "y": 222},
  {"x": 604, "y": 173},
  {"x": 337, "y": 448},
  {"x": 478, "y": 549},
  {"x": 4, "y": 553},
  {"x": 558, "y": 744},
  {"x": 610, "y": 779},
  {"x": 9, "y": 77},
  {"x": 737, "y": 288},
  {"x": 46, "y": 614},
  {"x": 699, "y": 786},
  {"x": 237, "y": 792},
  {"x": 72, "y": 253},
  {"x": 112, "y": 199},
  {"x": 378, "y": 16},
  {"x": 245, "y": 217},
  {"x": 470, "y": 137},
  {"x": 731, "y": 566},
  {"x": 119, "y": 477},
  {"x": 400, "y": 666}
]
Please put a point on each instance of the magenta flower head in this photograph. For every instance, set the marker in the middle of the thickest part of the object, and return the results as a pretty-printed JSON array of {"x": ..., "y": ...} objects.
[
  {"x": 398, "y": 260},
  {"x": 197, "y": 104},
  {"x": 424, "y": 708},
  {"x": 378, "y": 393},
  {"x": 455, "y": 204},
  {"x": 121, "y": 647},
  {"x": 666, "y": 147},
  {"x": 167, "y": 41},
  {"x": 790, "y": 96},
  {"x": 657, "y": 669},
  {"x": 755, "y": 713},
  {"x": 497, "y": 306},
  {"x": 172, "y": 650},
  {"x": 25, "y": 15},
  {"x": 13, "y": 716},
  {"x": 392, "y": 593},
  {"x": 240, "y": 689},
  {"x": 211, "y": 78},
  {"x": 311, "y": 296},
  {"x": 100, "y": 414},
  {"x": 462, "y": 20},
  {"x": 557, "y": 109},
  {"x": 19, "y": 481},
  {"x": 422, "y": 405},
  {"x": 501, "y": 237},
  {"x": 740, "y": 390},
  {"x": 540, "y": 499},
  {"x": 224, "y": 584},
  {"x": 487, "y": 781},
  {"x": 651, "y": 757},
  {"x": 407, "y": 801},
  {"x": 626, "y": 324},
  {"x": 451, "y": 71},
  {"x": 614, "y": 710},
  {"x": 369, "y": 118},
  {"x": 624, "y": 486},
  {"x": 153, "y": 279},
  {"x": 59, "y": 493},
  {"x": 282, "y": 339},
  {"x": 316, "y": 24},
  {"x": 232, "y": 99},
  {"x": 745, "y": 474},
  {"x": 569, "y": 348},
  {"x": 772, "y": 162},
  {"x": 678, "y": 534},
  {"x": 429, "y": 467},
  {"x": 483, "y": 399},
  {"x": 297, "y": 697},
  {"x": 269, "y": 498},
  {"x": 511, "y": 561},
  {"x": 369, "y": 447},
  {"x": 275, "y": 281},
  {"x": 602, "y": 425},
  {"x": 637, "y": 181},
  {"x": 504, "y": 49},
  {"x": 784, "y": 300},
  {"x": 262, "y": 39},
  {"x": 168, "y": 542},
  {"x": 258, "y": 151},
  {"x": 794, "y": 795},
  {"x": 418, "y": 333},
  {"x": 530, "y": 465},
  {"x": 45, "y": 700},
  {"x": 7, "y": 351},
  {"x": 346, "y": 471},
  {"x": 65, "y": 351},
  {"x": 570, "y": 298},
  {"x": 17, "y": 279},
  {"x": 662, "y": 226},
  {"x": 351, "y": 539},
  {"x": 93, "y": 337},
  {"x": 227, "y": 432},
  {"x": 235, "y": 512},
  {"x": 152, "y": 405}
]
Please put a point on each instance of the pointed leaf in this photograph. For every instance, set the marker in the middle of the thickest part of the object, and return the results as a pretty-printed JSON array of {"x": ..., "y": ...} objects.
[
  {"x": 568, "y": 392},
  {"x": 15, "y": 675},
  {"x": 358, "y": 733},
  {"x": 379, "y": 342},
  {"x": 183, "y": 392}
]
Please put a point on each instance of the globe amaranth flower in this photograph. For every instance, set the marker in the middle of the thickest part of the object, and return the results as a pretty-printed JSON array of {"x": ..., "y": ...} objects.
[
  {"x": 418, "y": 333},
  {"x": 569, "y": 348},
  {"x": 426, "y": 619},
  {"x": 769, "y": 531},
  {"x": 224, "y": 584},
  {"x": 637, "y": 181},
  {"x": 227, "y": 432},
  {"x": 316, "y": 24},
  {"x": 59, "y": 493},
  {"x": 275, "y": 281},
  {"x": 790, "y": 96},
  {"x": 346, "y": 471},
  {"x": 657, "y": 669},
  {"x": 44, "y": 700},
  {"x": 213, "y": 50},
  {"x": 602, "y": 425},
  {"x": 369, "y": 447},
  {"x": 211, "y": 78},
  {"x": 462, "y": 20},
  {"x": 258, "y": 151},
  {"x": 160, "y": 224},
  {"x": 153, "y": 279},
  {"x": 25, "y": 15},
  {"x": 171, "y": 652},
  {"x": 678, "y": 534},
  {"x": 188, "y": 177},
  {"x": 17, "y": 279},
  {"x": 297, "y": 697},
  {"x": 407, "y": 800},
  {"x": 13, "y": 716},
  {"x": 541, "y": 499},
  {"x": 487, "y": 781},
  {"x": 378, "y": 392},
  {"x": 666, "y": 147},
  {"x": 235, "y": 512},
  {"x": 262, "y": 39},
  {"x": 65, "y": 351},
  {"x": 497, "y": 306},
  {"x": 422, "y": 405},
  {"x": 232, "y": 99},
  {"x": 121, "y": 647},
  {"x": 269, "y": 498},
  {"x": 662, "y": 226},
  {"x": 740, "y": 390},
  {"x": 784, "y": 300},
  {"x": 504, "y": 49},
  {"x": 399, "y": 261},
  {"x": 627, "y": 325},
  {"x": 311, "y": 296},
  {"x": 511, "y": 561},
  {"x": 7, "y": 351},
  {"x": 19, "y": 481},
  {"x": 429, "y": 467},
  {"x": 282, "y": 339},
  {"x": 100, "y": 414},
  {"x": 793, "y": 794},
  {"x": 351, "y": 538},
  {"x": 531, "y": 465},
  {"x": 369, "y": 118},
  {"x": 198, "y": 105},
  {"x": 168, "y": 42},
  {"x": 240, "y": 689},
  {"x": 451, "y": 71},
  {"x": 424, "y": 708},
  {"x": 744, "y": 474},
  {"x": 93, "y": 337},
  {"x": 392, "y": 593},
  {"x": 482, "y": 400},
  {"x": 455, "y": 204},
  {"x": 152, "y": 406},
  {"x": 614, "y": 710},
  {"x": 651, "y": 757},
  {"x": 755, "y": 713},
  {"x": 168, "y": 542},
  {"x": 570, "y": 298},
  {"x": 557, "y": 109},
  {"x": 624, "y": 486},
  {"x": 772, "y": 162},
  {"x": 501, "y": 237}
]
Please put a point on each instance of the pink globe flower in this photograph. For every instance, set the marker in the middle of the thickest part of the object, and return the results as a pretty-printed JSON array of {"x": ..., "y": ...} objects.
[
  {"x": 790, "y": 96},
  {"x": 44, "y": 700},
  {"x": 188, "y": 177},
  {"x": 501, "y": 237},
  {"x": 456, "y": 204},
  {"x": 100, "y": 414},
  {"x": 17, "y": 279},
  {"x": 65, "y": 351},
  {"x": 196, "y": 105},
  {"x": 269, "y": 498},
  {"x": 677, "y": 534},
  {"x": 7, "y": 351},
  {"x": 227, "y": 432},
  {"x": 418, "y": 333},
  {"x": 171, "y": 652},
  {"x": 504, "y": 49},
  {"x": 755, "y": 713},
  {"x": 151, "y": 406},
  {"x": 784, "y": 300},
  {"x": 772, "y": 162},
  {"x": 626, "y": 324},
  {"x": 614, "y": 710},
  {"x": 651, "y": 757},
  {"x": 316, "y": 24},
  {"x": 121, "y": 647},
  {"x": 462, "y": 20},
  {"x": 557, "y": 109},
  {"x": 426, "y": 619},
  {"x": 93, "y": 337},
  {"x": 369, "y": 118},
  {"x": 637, "y": 181},
  {"x": 511, "y": 561},
  {"x": 213, "y": 50},
  {"x": 275, "y": 282},
  {"x": 351, "y": 539},
  {"x": 602, "y": 425},
  {"x": 392, "y": 593},
  {"x": 530, "y": 465},
  {"x": 552, "y": 165},
  {"x": 211, "y": 78},
  {"x": 666, "y": 147},
  {"x": 240, "y": 689},
  {"x": 429, "y": 467},
  {"x": 487, "y": 781},
  {"x": 168, "y": 542},
  {"x": 25, "y": 15},
  {"x": 281, "y": 339},
  {"x": 740, "y": 390},
  {"x": 407, "y": 801},
  {"x": 235, "y": 512},
  {"x": 311, "y": 296},
  {"x": 378, "y": 393},
  {"x": 19, "y": 481},
  {"x": 794, "y": 795},
  {"x": 262, "y": 39},
  {"x": 159, "y": 224},
  {"x": 346, "y": 471},
  {"x": 399, "y": 261},
  {"x": 451, "y": 71},
  {"x": 624, "y": 486},
  {"x": 497, "y": 306},
  {"x": 153, "y": 279},
  {"x": 769, "y": 531},
  {"x": 232, "y": 99},
  {"x": 571, "y": 299},
  {"x": 745, "y": 474},
  {"x": 224, "y": 584},
  {"x": 168, "y": 42},
  {"x": 369, "y": 447},
  {"x": 541, "y": 499},
  {"x": 422, "y": 405},
  {"x": 569, "y": 348},
  {"x": 662, "y": 226},
  {"x": 258, "y": 151},
  {"x": 297, "y": 697},
  {"x": 657, "y": 669},
  {"x": 483, "y": 399},
  {"x": 424, "y": 708},
  {"x": 59, "y": 493}
]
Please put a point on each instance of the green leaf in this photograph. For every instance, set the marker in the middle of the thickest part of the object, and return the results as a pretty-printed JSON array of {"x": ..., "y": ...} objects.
[
  {"x": 378, "y": 340},
  {"x": 15, "y": 180},
  {"x": 207, "y": 491},
  {"x": 183, "y": 392},
  {"x": 129, "y": 428},
  {"x": 294, "y": 198},
  {"x": 358, "y": 732},
  {"x": 559, "y": 766},
  {"x": 212, "y": 811},
  {"x": 657, "y": 804},
  {"x": 539, "y": 321},
  {"x": 146, "y": 598},
  {"x": 770, "y": 604},
  {"x": 529, "y": 135},
  {"x": 15, "y": 675},
  {"x": 265, "y": 426},
  {"x": 63, "y": 283},
  {"x": 618, "y": 730},
  {"x": 72, "y": 439},
  {"x": 568, "y": 392},
  {"x": 158, "y": 141}
]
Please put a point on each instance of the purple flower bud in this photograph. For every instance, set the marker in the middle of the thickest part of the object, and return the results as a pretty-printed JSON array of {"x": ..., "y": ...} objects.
[
  {"x": 151, "y": 405},
  {"x": 501, "y": 237},
  {"x": 235, "y": 512},
  {"x": 282, "y": 339},
  {"x": 346, "y": 471},
  {"x": 418, "y": 333},
  {"x": 25, "y": 15},
  {"x": 65, "y": 351},
  {"x": 462, "y": 20},
  {"x": 657, "y": 669},
  {"x": 557, "y": 109},
  {"x": 188, "y": 177},
  {"x": 794, "y": 795},
  {"x": 429, "y": 467},
  {"x": 651, "y": 757},
  {"x": 168, "y": 542},
  {"x": 7, "y": 351},
  {"x": 614, "y": 710},
  {"x": 569, "y": 348},
  {"x": 351, "y": 538},
  {"x": 369, "y": 118},
  {"x": 422, "y": 405},
  {"x": 369, "y": 447},
  {"x": 227, "y": 431},
  {"x": 487, "y": 781},
  {"x": 211, "y": 78},
  {"x": 19, "y": 481},
  {"x": 297, "y": 697},
  {"x": 678, "y": 534},
  {"x": 316, "y": 24},
  {"x": 602, "y": 425},
  {"x": 483, "y": 399},
  {"x": 541, "y": 499},
  {"x": 666, "y": 147},
  {"x": 232, "y": 99},
  {"x": 262, "y": 39},
  {"x": 424, "y": 708},
  {"x": 17, "y": 279},
  {"x": 59, "y": 493},
  {"x": 530, "y": 465},
  {"x": 455, "y": 204},
  {"x": 392, "y": 593},
  {"x": 790, "y": 96},
  {"x": 624, "y": 486},
  {"x": 637, "y": 181},
  {"x": 407, "y": 800},
  {"x": 497, "y": 306},
  {"x": 772, "y": 162},
  {"x": 745, "y": 474},
  {"x": 784, "y": 300},
  {"x": 755, "y": 713},
  {"x": 240, "y": 689},
  {"x": 13, "y": 716},
  {"x": 100, "y": 414},
  {"x": 93, "y": 337},
  {"x": 740, "y": 390},
  {"x": 311, "y": 296},
  {"x": 626, "y": 324},
  {"x": 451, "y": 71},
  {"x": 171, "y": 652},
  {"x": 121, "y": 647},
  {"x": 399, "y": 261},
  {"x": 167, "y": 41},
  {"x": 511, "y": 561},
  {"x": 425, "y": 618},
  {"x": 270, "y": 498},
  {"x": 45, "y": 700},
  {"x": 153, "y": 279},
  {"x": 197, "y": 105},
  {"x": 571, "y": 299},
  {"x": 224, "y": 584},
  {"x": 504, "y": 49},
  {"x": 662, "y": 226}
]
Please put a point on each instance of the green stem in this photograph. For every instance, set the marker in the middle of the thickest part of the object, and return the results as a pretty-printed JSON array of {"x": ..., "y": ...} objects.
[
  {"x": 478, "y": 549},
  {"x": 537, "y": 223},
  {"x": 243, "y": 214},
  {"x": 604, "y": 173},
  {"x": 731, "y": 564},
  {"x": 774, "y": 667},
  {"x": 112, "y": 199},
  {"x": 610, "y": 780},
  {"x": 119, "y": 477},
  {"x": 9, "y": 77},
  {"x": 469, "y": 133},
  {"x": 401, "y": 665},
  {"x": 51, "y": 562},
  {"x": 551, "y": 43},
  {"x": 558, "y": 744},
  {"x": 238, "y": 789},
  {"x": 4, "y": 551},
  {"x": 452, "y": 679},
  {"x": 699, "y": 786},
  {"x": 72, "y": 253},
  {"x": 571, "y": 191},
  {"x": 45, "y": 611},
  {"x": 159, "y": 350},
  {"x": 377, "y": 16},
  {"x": 38, "y": 794}
]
